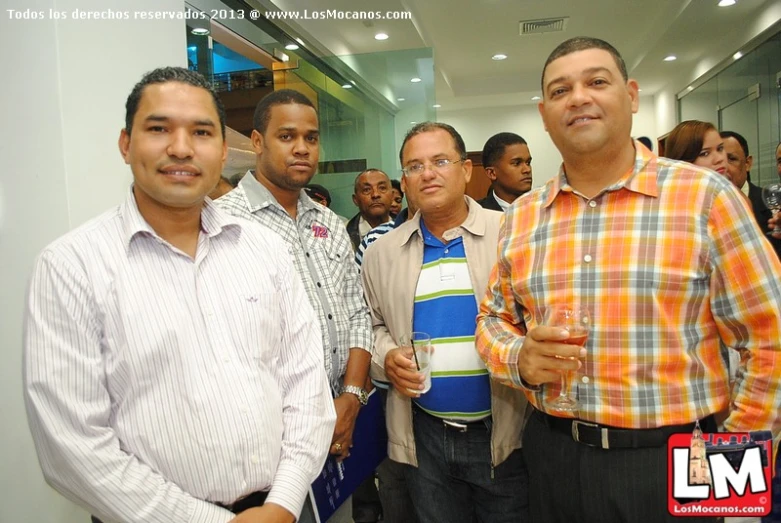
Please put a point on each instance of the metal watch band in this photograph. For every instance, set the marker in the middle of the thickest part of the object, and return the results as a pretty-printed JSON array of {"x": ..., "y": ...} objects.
[{"x": 363, "y": 398}]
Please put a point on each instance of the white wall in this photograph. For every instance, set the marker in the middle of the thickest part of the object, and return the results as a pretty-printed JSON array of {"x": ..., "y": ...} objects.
[
  {"x": 63, "y": 94},
  {"x": 477, "y": 125}
]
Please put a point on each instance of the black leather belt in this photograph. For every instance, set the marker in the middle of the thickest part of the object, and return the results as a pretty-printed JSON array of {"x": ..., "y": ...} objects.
[
  {"x": 256, "y": 499},
  {"x": 606, "y": 437},
  {"x": 459, "y": 426}
]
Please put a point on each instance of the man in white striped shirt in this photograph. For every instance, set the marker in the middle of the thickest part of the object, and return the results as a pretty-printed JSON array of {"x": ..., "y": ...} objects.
[{"x": 162, "y": 383}]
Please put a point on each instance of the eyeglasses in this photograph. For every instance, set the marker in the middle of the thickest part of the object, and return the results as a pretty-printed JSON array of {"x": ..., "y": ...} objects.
[{"x": 437, "y": 166}]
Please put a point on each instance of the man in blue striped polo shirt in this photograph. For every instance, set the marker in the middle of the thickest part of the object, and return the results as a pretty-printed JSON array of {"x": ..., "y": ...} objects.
[{"x": 460, "y": 440}]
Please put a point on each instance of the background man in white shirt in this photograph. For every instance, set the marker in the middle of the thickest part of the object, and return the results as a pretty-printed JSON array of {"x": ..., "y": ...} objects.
[{"x": 162, "y": 384}]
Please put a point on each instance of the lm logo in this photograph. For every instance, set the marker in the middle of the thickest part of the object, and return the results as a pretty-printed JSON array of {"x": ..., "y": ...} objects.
[{"x": 719, "y": 474}]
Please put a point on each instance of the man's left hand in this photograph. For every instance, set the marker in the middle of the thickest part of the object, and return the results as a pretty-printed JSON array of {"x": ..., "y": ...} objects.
[
  {"x": 268, "y": 513},
  {"x": 347, "y": 407}
]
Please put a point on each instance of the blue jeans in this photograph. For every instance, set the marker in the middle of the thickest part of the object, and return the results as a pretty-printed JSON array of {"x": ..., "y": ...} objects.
[{"x": 454, "y": 481}]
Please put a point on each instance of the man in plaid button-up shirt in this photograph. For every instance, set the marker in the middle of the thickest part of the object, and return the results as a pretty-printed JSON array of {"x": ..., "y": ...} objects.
[
  {"x": 675, "y": 272},
  {"x": 286, "y": 141}
]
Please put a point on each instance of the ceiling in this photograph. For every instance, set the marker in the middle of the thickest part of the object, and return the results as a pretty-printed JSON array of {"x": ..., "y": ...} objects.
[{"x": 465, "y": 34}]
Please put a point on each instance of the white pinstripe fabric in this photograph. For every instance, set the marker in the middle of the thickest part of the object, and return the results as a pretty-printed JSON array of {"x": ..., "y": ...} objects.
[{"x": 156, "y": 384}]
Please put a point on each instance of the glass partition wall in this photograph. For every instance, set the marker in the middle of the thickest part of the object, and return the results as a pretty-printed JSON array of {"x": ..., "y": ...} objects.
[
  {"x": 366, "y": 103},
  {"x": 744, "y": 97}
]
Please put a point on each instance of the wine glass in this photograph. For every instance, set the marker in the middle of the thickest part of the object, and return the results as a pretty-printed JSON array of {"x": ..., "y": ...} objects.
[
  {"x": 771, "y": 195},
  {"x": 576, "y": 320}
]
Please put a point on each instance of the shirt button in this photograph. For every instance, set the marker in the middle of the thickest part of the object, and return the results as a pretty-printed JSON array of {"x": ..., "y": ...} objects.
[
  {"x": 244, "y": 410},
  {"x": 255, "y": 459},
  {"x": 330, "y": 317},
  {"x": 592, "y": 203},
  {"x": 587, "y": 258},
  {"x": 318, "y": 284},
  {"x": 447, "y": 251},
  {"x": 585, "y": 379},
  {"x": 334, "y": 351},
  {"x": 226, "y": 359}
]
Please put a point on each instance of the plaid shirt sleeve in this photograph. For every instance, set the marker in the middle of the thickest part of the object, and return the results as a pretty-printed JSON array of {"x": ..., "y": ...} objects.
[
  {"x": 360, "y": 334},
  {"x": 500, "y": 324},
  {"x": 745, "y": 298}
]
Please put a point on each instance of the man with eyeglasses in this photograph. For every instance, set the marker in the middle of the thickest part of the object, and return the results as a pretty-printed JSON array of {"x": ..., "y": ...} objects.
[
  {"x": 373, "y": 196},
  {"x": 461, "y": 439}
]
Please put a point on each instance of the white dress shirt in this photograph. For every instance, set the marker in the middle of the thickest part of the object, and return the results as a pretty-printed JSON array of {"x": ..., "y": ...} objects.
[{"x": 157, "y": 385}]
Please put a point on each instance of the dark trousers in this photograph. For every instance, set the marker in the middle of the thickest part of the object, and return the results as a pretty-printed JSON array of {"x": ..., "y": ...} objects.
[
  {"x": 454, "y": 481},
  {"x": 576, "y": 482},
  {"x": 394, "y": 493}
]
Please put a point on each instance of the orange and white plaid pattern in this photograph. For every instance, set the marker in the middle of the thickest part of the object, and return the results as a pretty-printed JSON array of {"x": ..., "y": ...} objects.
[{"x": 675, "y": 273}]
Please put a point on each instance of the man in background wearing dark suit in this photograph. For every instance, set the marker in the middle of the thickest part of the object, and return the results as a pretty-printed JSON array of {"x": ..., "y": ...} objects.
[
  {"x": 508, "y": 163},
  {"x": 739, "y": 163}
]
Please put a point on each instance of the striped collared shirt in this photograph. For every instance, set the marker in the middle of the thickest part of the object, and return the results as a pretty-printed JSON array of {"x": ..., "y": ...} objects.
[
  {"x": 156, "y": 383},
  {"x": 674, "y": 271},
  {"x": 324, "y": 258}
]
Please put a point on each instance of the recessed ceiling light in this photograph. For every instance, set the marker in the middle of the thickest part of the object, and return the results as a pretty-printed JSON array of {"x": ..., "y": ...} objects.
[
  {"x": 726, "y": 3},
  {"x": 670, "y": 58},
  {"x": 291, "y": 47},
  {"x": 499, "y": 57},
  {"x": 737, "y": 56},
  {"x": 300, "y": 41},
  {"x": 639, "y": 90},
  {"x": 535, "y": 98},
  {"x": 413, "y": 123},
  {"x": 415, "y": 80},
  {"x": 381, "y": 36},
  {"x": 200, "y": 31},
  {"x": 690, "y": 88},
  {"x": 400, "y": 99},
  {"x": 347, "y": 86},
  {"x": 436, "y": 106}
]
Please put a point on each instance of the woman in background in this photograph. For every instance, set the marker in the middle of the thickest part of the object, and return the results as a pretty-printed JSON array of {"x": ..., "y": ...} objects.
[{"x": 699, "y": 143}]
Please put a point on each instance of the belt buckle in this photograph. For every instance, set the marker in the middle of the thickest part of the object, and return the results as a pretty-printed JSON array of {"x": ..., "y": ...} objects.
[
  {"x": 605, "y": 443},
  {"x": 456, "y": 425}
]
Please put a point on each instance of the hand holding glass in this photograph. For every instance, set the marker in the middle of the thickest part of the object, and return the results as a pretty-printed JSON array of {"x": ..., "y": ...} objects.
[
  {"x": 576, "y": 320},
  {"x": 417, "y": 347},
  {"x": 771, "y": 195}
]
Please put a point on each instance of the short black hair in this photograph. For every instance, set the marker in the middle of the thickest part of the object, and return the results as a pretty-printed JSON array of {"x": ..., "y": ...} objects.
[
  {"x": 582, "y": 43},
  {"x": 369, "y": 170},
  {"x": 163, "y": 75},
  {"x": 495, "y": 146},
  {"x": 396, "y": 184},
  {"x": 742, "y": 141},
  {"x": 283, "y": 96},
  {"x": 646, "y": 141},
  {"x": 427, "y": 127}
]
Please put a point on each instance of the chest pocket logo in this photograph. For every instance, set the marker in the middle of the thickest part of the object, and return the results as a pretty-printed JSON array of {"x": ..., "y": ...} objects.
[{"x": 319, "y": 231}]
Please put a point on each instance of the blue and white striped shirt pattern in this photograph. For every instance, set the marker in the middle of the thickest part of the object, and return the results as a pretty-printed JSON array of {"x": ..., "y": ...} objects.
[{"x": 446, "y": 308}]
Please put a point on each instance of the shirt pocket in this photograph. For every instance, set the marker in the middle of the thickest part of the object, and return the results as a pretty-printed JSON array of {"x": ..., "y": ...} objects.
[{"x": 258, "y": 332}]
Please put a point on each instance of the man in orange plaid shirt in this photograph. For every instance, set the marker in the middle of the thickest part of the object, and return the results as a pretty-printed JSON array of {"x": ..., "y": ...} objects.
[{"x": 675, "y": 273}]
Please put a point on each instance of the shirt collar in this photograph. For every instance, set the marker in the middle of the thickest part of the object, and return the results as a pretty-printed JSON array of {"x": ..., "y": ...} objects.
[
  {"x": 641, "y": 179},
  {"x": 259, "y": 197},
  {"x": 474, "y": 224},
  {"x": 213, "y": 220},
  {"x": 502, "y": 204}
]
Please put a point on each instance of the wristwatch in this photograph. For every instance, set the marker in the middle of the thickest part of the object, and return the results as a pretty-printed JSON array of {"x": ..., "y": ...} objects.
[{"x": 363, "y": 398}]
